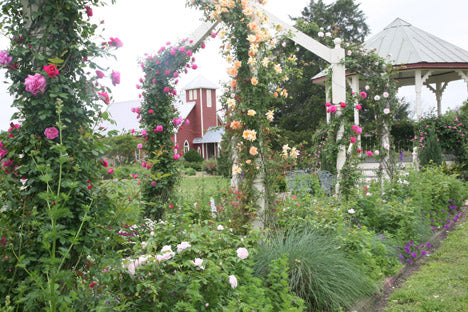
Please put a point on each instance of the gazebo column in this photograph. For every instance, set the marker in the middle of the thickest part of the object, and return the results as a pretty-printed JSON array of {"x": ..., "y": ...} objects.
[
  {"x": 327, "y": 100},
  {"x": 338, "y": 96},
  {"x": 418, "y": 83},
  {"x": 438, "y": 91},
  {"x": 464, "y": 76}
]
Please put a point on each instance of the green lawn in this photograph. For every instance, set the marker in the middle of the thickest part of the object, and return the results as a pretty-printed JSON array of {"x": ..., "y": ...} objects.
[
  {"x": 442, "y": 283},
  {"x": 201, "y": 189}
]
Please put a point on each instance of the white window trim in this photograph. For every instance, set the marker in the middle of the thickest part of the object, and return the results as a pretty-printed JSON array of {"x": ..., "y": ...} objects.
[
  {"x": 208, "y": 98},
  {"x": 186, "y": 146}
]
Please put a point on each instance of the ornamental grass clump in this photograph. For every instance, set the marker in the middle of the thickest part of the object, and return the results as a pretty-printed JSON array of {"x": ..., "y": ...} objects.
[{"x": 318, "y": 271}]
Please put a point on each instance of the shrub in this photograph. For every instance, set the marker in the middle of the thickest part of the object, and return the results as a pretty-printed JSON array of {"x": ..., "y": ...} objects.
[
  {"x": 210, "y": 166},
  {"x": 431, "y": 152},
  {"x": 190, "y": 172},
  {"x": 193, "y": 156},
  {"x": 318, "y": 271}
]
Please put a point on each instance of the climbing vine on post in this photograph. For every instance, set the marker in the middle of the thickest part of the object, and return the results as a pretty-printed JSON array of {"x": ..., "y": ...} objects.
[
  {"x": 159, "y": 120},
  {"x": 254, "y": 91},
  {"x": 52, "y": 213}
]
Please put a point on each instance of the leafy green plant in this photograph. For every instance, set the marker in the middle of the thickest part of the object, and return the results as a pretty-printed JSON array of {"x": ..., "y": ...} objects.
[
  {"x": 318, "y": 271},
  {"x": 193, "y": 156}
]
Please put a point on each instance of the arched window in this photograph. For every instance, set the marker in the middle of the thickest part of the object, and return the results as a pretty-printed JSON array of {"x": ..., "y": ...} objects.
[{"x": 186, "y": 146}]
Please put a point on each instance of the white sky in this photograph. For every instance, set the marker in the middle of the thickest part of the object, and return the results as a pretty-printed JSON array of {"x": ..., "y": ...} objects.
[{"x": 145, "y": 25}]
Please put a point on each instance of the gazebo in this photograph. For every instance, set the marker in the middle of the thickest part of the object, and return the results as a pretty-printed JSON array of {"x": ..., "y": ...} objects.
[{"x": 422, "y": 59}]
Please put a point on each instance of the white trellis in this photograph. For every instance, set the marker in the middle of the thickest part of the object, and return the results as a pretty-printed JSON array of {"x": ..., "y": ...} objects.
[{"x": 334, "y": 56}]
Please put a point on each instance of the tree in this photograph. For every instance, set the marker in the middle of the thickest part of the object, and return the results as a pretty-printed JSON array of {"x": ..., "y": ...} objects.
[{"x": 304, "y": 108}]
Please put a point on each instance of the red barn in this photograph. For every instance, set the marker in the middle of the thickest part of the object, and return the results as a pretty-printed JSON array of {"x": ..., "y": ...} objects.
[{"x": 201, "y": 128}]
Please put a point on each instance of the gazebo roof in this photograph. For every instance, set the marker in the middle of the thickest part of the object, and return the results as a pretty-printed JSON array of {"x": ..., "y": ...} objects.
[
  {"x": 413, "y": 48},
  {"x": 404, "y": 43}
]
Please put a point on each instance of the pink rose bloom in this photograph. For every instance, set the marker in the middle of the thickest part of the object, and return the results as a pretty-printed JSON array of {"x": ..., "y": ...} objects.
[
  {"x": 194, "y": 66},
  {"x": 51, "y": 70},
  {"x": 99, "y": 74},
  {"x": 143, "y": 132},
  {"x": 187, "y": 122},
  {"x": 89, "y": 11},
  {"x": 386, "y": 111},
  {"x": 343, "y": 105},
  {"x": 159, "y": 128},
  {"x": 358, "y": 107},
  {"x": 332, "y": 109},
  {"x": 104, "y": 163},
  {"x": 51, "y": 133},
  {"x": 369, "y": 153},
  {"x": 150, "y": 111},
  {"x": 176, "y": 156},
  {"x": 140, "y": 146},
  {"x": 110, "y": 171},
  {"x": 115, "y": 78},
  {"x": 182, "y": 49},
  {"x": 166, "y": 89},
  {"x": 385, "y": 94},
  {"x": 35, "y": 84},
  {"x": 327, "y": 104},
  {"x": 353, "y": 140},
  {"x": 153, "y": 183},
  {"x": 104, "y": 96},
  {"x": 242, "y": 253},
  {"x": 363, "y": 94},
  {"x": 115, "y": 42},
  {"x": 177, "y": 121},
  {"x": 5, "y": 59},
  {"x": 233, "y": 281}
]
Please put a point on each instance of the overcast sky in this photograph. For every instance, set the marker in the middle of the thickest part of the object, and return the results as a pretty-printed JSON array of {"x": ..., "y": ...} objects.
[{"x": 145, "y": 25}]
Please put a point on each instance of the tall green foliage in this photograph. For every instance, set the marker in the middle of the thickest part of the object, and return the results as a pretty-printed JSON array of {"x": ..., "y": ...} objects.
[{"x": 50, "y": 204}]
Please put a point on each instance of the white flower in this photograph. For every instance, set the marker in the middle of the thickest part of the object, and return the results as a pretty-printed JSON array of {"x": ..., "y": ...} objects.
[
  {"x": 265, "y": 62},
  {"x": 376, "y": 97},
  {"x": 387, "y": 147},
  {"x": 351, "y": 211},
  {"x": 385, "y": 94},
  {"x": 367, "y": 87},
  {"x": 278, "y": 69},
  {"x": 386, "y": 111},
  {"x": 233, "y": 281},
  {"x": 328, "y": 34},
  {"x": 198, "y": 263},
  {"x": 166, "y": 248},
  {"x": 349, "y": 52},
  {"x": 242, "y": 253},
  {"x": 182, "y": 246},
  {"x": 236, "y": 170},
  {"x": 376, "y": 152},
  {"x": 294, "y": 153},
  {"x": 220, "y": 227},
  {"x": 270, "y": 115},
  {"x": 320, "y": 34}
]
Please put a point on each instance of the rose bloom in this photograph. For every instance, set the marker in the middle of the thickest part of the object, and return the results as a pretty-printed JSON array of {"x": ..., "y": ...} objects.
[
  {"x": 353, "y": 140},
  {"x": 363, "y": 94},
  {"x": 251, "y": 112},
  {"x": 231, "y": 103},
  {"x": 253, "y": 151},
  {"x": 269, "y": 115},
  {"x": 386, "y": 111},
  {"x": 182, "y": 246},
  {"x": 236, "y": 170},
  {"x": 242, "y": 253},
  {"x": 235, "y": 125},
  {"x": 115, "y": 78},
  {"x": 51, "y": 133},
  {"x": 115, "y": 42},
  {"x": 104, "y": 97},
  {"x": 232, "y": 71},
  {"x": 5, "y": 58},
  {"x": 35, "y": 84},
  {"x": 51, "y": 70},
  {"x": 343, "y": 105},
  {"x": 358, "y": 107},
  {"x": 294, "y": 152},
  {"x": 332, "y": 109},
  {"x": 237, "y": 64},
  {"x": 250, "y": 135},
  {"x": 233, "y": 281},
  {"x": 254, "y": 81},
  {"x": 99, "y": 74}
]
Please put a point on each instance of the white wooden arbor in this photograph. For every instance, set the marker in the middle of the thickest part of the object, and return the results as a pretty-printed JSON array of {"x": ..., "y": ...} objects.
[{"x": 334, "y": 56}]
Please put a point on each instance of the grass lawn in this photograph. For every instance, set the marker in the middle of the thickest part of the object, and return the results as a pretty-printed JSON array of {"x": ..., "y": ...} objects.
[
  {"x": 202, "y": 188},
  {"x": 442, "y": 283}
]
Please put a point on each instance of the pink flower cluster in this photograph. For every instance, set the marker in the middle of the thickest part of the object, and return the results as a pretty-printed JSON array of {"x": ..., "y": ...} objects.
[
  {"x": 115, "y": 42},
  {"x": 51, "y": 133},
  {"x": 35, "y": 84},
  {"x": 5, "y": 59}
]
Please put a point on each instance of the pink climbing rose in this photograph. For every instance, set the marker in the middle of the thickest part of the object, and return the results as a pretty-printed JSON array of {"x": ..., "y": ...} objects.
[
  {"x": 99, "y": 74},
  {"x": 35, "y": 84},
  {"x": 176, "y": 156},
  {"x": 104, "y": 96},
  {"x": 115, "y": 42},
  {"x": 115, "y": 78},
  {"x": 5, "y": 59},
  {"x": 51, "y": 133},
  {"x": 363, "y": 94},
  {"x": 332, "y": 109},
  {"x": 353, "y": 140}
]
